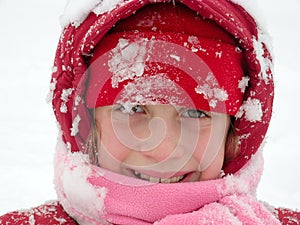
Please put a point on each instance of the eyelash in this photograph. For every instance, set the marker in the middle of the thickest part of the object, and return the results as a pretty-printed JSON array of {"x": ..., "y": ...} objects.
[
  {"x": 197, "y": 114},
  {"x": 186, "y": 113},
  {"x": 134, "y": 109}
]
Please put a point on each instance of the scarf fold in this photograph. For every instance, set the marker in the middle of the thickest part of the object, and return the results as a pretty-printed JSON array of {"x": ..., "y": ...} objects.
[{"x": 93, "y": 195}]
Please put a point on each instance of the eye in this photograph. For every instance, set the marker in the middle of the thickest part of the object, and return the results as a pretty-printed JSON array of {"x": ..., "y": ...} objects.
[
  {"x": 132, "y": 110},
  {"x": 137, "y": 109},
  {"x": 194, "y": 113}
]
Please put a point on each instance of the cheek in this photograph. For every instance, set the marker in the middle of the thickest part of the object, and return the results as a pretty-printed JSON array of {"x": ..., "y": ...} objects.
[
  {"x": 202, "y": 143},
  {"x": 111, "y": 152},
  {"x": 214, "y": 169},
  {"x": 210, "y": 149}
]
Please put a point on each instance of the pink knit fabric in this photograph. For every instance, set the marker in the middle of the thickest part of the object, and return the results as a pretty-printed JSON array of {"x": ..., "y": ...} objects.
[{"x": 103, "y": 197}]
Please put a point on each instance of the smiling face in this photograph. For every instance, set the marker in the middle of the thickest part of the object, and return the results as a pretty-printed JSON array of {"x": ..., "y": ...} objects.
[{"x": 161, "y": 143}]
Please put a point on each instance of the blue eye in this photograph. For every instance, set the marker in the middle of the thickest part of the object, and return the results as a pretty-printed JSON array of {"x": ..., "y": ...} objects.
[{"x": 194, "y": 113}]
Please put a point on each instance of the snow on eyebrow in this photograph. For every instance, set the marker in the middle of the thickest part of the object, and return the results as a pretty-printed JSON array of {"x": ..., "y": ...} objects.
[
  {"x": 211, "y": 91},
  {"x": 252, "y": 109},
  {"x": 128, "y": 60}
]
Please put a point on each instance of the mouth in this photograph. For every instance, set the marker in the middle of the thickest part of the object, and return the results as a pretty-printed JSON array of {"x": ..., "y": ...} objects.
[{"x": 146, "y": 177}]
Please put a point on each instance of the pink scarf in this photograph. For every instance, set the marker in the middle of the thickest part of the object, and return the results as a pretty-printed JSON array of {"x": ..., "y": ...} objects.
[{"x": 92, "y": 195}]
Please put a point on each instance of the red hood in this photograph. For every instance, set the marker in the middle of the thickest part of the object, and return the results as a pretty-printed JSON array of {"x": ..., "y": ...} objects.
[{"x": 77, "y": 42}]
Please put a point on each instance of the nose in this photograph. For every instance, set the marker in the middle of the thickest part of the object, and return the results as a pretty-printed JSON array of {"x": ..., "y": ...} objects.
[{"x": 166, "y": 136}]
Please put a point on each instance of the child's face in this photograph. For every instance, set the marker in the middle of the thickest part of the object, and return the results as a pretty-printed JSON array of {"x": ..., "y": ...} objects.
[{"x": 161, "y": 143}]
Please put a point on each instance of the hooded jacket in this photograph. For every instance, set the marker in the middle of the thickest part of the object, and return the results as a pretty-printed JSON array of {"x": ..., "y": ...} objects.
[{"x": 91, "y": 195}]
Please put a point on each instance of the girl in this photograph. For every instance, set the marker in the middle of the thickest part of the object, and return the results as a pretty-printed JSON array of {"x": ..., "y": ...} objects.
[{"x": 163, "y": 109}]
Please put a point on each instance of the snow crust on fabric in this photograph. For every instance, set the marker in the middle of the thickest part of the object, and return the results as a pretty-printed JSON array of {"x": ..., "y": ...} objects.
[
  {"x": 102, "y": 187},
  {"x": 76, "y": 11},
  {"x": 50, "y": 213}
]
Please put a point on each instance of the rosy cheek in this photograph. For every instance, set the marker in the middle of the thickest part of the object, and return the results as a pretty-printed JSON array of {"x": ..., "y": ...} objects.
[
  {"x": 213, "y": 171},
  {"x": 210, "y": 149},
  {"x": 111, "y": 152},
  {"x": 201, "y": 148}
]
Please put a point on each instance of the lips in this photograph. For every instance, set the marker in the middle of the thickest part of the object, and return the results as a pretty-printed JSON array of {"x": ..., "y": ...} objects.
[{"x": 146, "y": 177}]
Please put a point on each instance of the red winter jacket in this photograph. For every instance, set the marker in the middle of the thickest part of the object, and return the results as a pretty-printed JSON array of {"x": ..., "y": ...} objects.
[
  {"x": 53, "y": 213},
  {"x": 86, "y": 25}
]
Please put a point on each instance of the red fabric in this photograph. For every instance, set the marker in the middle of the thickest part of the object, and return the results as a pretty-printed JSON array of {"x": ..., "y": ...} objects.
[
  {"x": 287, "y": 216},
  {"x": 171, "y": 28},
  {"x": 167, "y": 18},
  {"x": 224, "y": 72},
  {"x": 50, "y": 213}
]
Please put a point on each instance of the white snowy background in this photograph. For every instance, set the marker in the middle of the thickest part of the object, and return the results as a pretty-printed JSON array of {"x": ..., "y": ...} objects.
[{"x": 29, "y": 32}]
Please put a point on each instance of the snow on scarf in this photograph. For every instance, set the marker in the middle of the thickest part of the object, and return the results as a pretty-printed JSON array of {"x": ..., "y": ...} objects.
[{"x": 93, "y": 195}]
